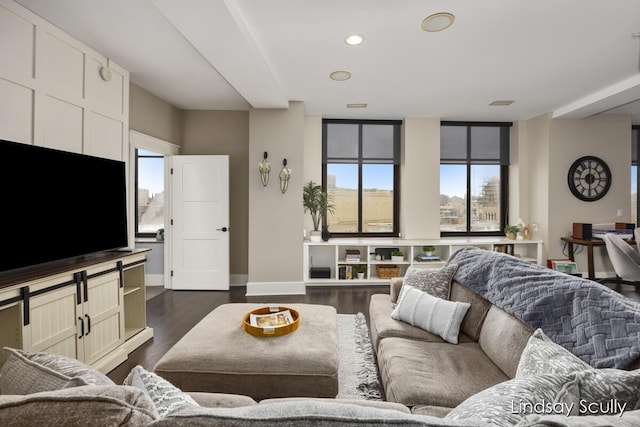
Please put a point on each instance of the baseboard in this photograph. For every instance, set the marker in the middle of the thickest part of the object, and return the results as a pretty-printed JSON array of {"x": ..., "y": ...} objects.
[
  {"x": 238, "y": 279},
  {"x": 275, "y": 288}
]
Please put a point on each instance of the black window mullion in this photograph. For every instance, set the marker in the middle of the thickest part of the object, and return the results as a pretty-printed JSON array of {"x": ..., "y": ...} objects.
[
  {"x": 360, "y": 152},
  {"x": 469, "y": 197}
]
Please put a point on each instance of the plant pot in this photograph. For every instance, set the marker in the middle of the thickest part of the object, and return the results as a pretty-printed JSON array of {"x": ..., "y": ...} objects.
[
  {"x": 397, "y": 258},
  {"x": 429, "y": 253},
  {"x": 315, "y": 236},
  {"x": 360, "y": 276},
  {"x": 325, "y": 233},
  {"x": 511, "y": 236}
]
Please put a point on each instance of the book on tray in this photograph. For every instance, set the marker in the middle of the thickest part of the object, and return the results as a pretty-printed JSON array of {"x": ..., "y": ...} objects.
[{"x": 271, "y": 320}]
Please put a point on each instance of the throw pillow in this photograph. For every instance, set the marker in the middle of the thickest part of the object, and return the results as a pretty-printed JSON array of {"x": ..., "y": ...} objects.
[
  {"x": 434, "y": 281},
  {"x": 600, "y": 389},
  {"x": 507, "y": 403},
  {"x": 165, "y": 396},
  {"x": 26, "y": 372},
  {"x": 432, "y": 314},
  {"x": 543, "y": 356}
]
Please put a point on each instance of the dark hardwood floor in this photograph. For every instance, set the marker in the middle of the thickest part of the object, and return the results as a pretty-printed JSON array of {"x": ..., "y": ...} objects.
[{"x": 171, "y": 314}]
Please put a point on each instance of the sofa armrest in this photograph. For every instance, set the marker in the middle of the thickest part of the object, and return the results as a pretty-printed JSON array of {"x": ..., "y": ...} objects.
[
  {"x": 394, "y": 288},
  {"x": 221, "y": 400}
]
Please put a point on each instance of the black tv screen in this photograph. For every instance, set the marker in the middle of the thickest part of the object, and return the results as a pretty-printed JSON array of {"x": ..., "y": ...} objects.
[{"x": 58, "y": 205}]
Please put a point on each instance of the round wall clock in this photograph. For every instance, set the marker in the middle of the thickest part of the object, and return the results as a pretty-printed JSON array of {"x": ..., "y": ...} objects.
[{"x": 589, "y": 178}]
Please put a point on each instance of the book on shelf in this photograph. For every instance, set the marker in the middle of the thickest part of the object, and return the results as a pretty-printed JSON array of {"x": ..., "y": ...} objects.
[
  {"x": 427, "y": 258},
  {"x": 271, "y": 320},
  {"x": 345, "y": 272},
  {"x": 352, "y": 255},
  {"x": 504, "y": 248}
]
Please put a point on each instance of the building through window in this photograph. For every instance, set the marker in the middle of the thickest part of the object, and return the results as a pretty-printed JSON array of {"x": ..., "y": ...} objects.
[
  {"x": 474, "y": 161},
  {"x": 361, "y": 160},
  {"x": 149, "y": 193}
]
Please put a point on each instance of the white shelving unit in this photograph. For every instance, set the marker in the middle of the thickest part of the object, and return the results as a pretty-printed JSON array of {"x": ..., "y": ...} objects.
[{"x": 332, "y": 255}]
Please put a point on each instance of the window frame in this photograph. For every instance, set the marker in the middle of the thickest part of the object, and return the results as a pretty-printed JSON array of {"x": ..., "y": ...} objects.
[
  {"x": 397, "y": 128},
  {"x": 503, "y": 162},
  {"x": 137, "y": 156}
]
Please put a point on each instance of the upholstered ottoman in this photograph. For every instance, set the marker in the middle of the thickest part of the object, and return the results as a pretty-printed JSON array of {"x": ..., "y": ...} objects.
[{"x": 217, "y": 355}]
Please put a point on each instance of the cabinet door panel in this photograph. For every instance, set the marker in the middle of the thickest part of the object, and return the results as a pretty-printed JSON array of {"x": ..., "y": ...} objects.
[
  {"x": 53, "y": 322},
  {"x": 103, "y": 316}
]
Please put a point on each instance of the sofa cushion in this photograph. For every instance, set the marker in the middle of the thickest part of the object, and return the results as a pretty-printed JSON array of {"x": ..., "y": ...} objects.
[
  {"x": 430, "y": 313},
  {"x": 437, "y": 374},
  {"x": 165, "y": 396},
  {"x": 26, "y": 372},
  {"x": 316, "y": 413},
  {"x": 395, "y": 285},
  {"x": 370, "y": 403},
  {"x": 434, "y": 281},
  {"x": 503, "y": 338},
  {"x": 472, "y": 322},
  {"x": 79, "y": 406},
  {"x": 542, "y": 355},
  {"x": 220, "y": 400},
  {"x": 383, "y": 325},
  {"x": 507, "y": 403}
]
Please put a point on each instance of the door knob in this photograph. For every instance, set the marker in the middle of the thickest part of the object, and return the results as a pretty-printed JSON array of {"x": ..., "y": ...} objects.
[{"x": 223, "y": 229}]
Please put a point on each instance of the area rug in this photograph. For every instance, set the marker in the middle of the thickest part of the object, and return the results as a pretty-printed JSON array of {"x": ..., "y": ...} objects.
[{"x": 357, "y": 370}]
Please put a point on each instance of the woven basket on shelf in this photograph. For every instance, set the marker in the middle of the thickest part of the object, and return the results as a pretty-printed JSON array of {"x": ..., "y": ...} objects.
[{"x": 387, "y": 271}]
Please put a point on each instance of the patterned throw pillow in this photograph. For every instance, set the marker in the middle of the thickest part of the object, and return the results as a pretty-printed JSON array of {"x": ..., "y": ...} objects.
[
  {"x": 508, "y": 403},
  {"x": 600, "y": 389},
  {"x": 543, "y": 356},
  {"x": 26, "y": 372},
  {"x": 166, "y": 397},
  {"x": 434, "y": 281},
  {"x": 435, "y": 315}
]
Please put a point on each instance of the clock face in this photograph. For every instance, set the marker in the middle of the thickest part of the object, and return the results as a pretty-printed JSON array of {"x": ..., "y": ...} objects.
[{"x": 589, "y": 178}]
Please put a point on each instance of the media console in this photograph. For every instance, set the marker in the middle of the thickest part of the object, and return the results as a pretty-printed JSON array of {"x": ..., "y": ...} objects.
[{"x": 91, "y": 308}]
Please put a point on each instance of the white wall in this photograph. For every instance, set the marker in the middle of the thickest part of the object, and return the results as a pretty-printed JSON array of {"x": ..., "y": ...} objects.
[
  {"x": 276, "y": 219},
  {"x": 420, "y": 178},
  {"x": 52, "y": 93},
  {"x": 312, "y": 158}
]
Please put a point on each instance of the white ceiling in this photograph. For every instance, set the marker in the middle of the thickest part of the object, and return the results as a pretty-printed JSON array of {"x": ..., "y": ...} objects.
[{"x": 571, "y": 58}]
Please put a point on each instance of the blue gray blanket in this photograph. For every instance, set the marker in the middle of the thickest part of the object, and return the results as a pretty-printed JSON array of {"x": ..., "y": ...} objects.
[{"x": 595, "y": 323}]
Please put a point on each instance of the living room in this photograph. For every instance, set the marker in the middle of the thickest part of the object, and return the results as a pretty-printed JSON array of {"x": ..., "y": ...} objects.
[{"x": 549, "y": 131}]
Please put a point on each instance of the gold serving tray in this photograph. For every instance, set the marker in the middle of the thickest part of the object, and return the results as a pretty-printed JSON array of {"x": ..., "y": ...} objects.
[{"x": 258, "y": 331}]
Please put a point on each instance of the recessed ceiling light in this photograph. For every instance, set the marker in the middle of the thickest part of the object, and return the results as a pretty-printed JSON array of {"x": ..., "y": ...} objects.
[
  {"x": 362, "y": 105},
  {"x": 437, "y": 22},
  {"x": 353, "y": 39},
  {"x": 502, "y": 102},
  {"x": 340, "y": 76}
]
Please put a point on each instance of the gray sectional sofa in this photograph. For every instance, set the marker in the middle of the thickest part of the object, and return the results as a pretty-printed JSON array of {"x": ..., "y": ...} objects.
[{"x": 500, "y": 363}]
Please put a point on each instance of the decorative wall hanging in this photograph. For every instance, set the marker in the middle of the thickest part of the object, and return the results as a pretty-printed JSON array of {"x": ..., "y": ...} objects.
[
  {"x": 589, "y": 178},
  {"x": 264, "y": 167},
  {"x": 285, "y": 175}
]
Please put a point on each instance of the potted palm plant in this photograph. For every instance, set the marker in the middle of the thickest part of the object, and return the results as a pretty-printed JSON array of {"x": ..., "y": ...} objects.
[{"x": 318, "y": 203}]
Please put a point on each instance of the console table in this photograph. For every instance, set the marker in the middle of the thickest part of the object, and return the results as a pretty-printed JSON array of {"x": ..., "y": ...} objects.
[{"x": 589, "y": 244}]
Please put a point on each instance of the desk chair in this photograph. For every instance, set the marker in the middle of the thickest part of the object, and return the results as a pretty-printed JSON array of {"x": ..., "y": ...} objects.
[{"x": 625, "y": 259}]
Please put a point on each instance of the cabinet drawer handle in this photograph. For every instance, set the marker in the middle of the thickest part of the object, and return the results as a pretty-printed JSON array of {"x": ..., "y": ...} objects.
[
  {"x": 88, "y": 323},
  {"x": 81, "y": 327}
]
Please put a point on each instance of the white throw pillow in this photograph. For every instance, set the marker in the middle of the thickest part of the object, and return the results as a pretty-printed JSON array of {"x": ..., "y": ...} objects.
[{"x": 435, "y": 315}]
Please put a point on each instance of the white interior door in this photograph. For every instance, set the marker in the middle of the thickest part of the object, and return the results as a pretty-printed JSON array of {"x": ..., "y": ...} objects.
[{"x": 200, "y": 222}]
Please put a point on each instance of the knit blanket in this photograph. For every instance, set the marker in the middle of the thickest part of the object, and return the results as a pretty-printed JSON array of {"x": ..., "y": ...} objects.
[{"x": 595, "y": 323}]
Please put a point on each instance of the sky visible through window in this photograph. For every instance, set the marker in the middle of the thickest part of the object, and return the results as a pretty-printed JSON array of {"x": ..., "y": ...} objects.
[{"x": 151, "y": 177}]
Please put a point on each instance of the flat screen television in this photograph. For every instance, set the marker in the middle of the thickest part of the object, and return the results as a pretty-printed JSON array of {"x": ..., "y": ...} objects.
[{"x": 58, "y": 205}]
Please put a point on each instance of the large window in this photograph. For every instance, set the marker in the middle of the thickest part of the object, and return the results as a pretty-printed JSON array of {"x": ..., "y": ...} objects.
[
  {"x": 361, "y": 161},
  {"x": 635, "y": 177},
  {"x": 149, "y": 192},
  {"x": 474, "y": 159}
]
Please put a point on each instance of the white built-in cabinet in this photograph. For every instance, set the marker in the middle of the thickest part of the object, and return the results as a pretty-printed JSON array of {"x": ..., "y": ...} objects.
[
  {"x": 333, "y": 255},
  {"x": 93, "y": 310}
]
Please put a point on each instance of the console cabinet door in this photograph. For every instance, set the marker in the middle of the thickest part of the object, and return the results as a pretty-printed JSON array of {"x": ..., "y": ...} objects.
[
  {"x": 54, "y": 323},
  {"x": 103, "y": 316}
]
